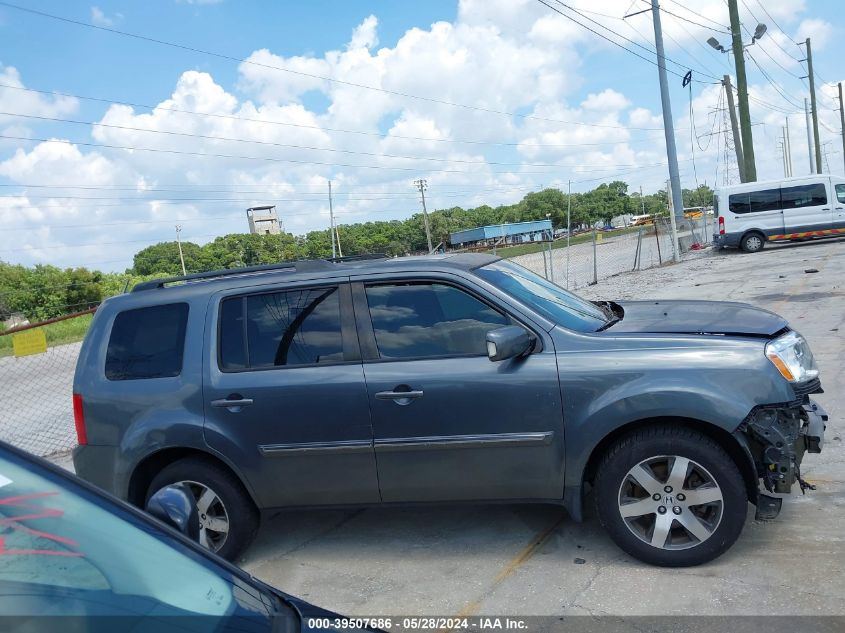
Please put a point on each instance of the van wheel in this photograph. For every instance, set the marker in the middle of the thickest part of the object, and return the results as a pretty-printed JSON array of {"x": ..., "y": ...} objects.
[
  {"x": 228, "y": 518},
  {"x": 752, "y": 243},
  {"x": 670, "y": 496}
]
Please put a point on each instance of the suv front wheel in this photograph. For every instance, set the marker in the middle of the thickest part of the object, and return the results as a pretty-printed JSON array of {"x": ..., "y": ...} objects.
[
  {"x": 670, "y": 496},
  {"x": 228, "y": 519}
]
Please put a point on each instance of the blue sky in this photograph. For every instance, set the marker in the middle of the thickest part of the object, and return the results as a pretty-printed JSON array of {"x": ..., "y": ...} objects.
[{"x": 593, "y": 110}]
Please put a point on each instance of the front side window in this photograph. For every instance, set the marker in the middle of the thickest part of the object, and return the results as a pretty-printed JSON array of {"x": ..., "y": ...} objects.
[
  {"x": 803, "y": 196},
  {"x": 840, "y": 193},
  {"x": 296, "y": 327},
  {"x": 147, "y": 343},
  {"x": 420, "y": 320}
]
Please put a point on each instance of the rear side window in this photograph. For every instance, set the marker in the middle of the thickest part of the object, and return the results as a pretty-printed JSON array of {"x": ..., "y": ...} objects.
[
  {"x": 840, "y": 193},
  {"x": 297, "y": 327},
  {"x": 755, "y": 201},
  {"x": 803, "y": 196},
  {"x": 147, "y": 343},
  {"x": 419, "y": 320}
]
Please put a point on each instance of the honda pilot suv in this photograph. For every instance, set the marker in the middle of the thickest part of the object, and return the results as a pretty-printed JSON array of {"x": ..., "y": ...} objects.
[{"x": 444, "y": 379}]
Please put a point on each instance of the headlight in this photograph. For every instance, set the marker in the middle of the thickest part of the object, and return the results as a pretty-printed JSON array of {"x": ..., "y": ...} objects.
[{"x": 793, "y": 358}]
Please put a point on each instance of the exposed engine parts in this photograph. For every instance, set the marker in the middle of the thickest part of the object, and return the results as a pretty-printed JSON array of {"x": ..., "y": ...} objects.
[{"x": 779, "y": 436}]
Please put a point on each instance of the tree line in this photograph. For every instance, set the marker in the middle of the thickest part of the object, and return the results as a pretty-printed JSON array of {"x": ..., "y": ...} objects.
[{"x": 43, "y": 291}]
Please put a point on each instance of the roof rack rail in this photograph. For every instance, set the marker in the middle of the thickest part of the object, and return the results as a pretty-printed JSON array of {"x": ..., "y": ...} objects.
[
  {"x": 298, "y": 265},
  {"x": 356, "y": 258}
]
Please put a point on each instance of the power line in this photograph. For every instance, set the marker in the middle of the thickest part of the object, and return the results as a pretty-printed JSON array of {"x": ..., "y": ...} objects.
[
  {"x": 241, "y": 157},
  {"x": 280, "y": 68},
  {"x": 721, "y": 29},
  {"x": 272, "y": 143},
  {"x": 267, "y": 158},
  {"x": 773, "y": 21},
  {"x": 614, "y": 42},
  {"x": 778, "y": 88},
  {"x": 230, "y": 117},
  {"x": 721, "y": 26}
]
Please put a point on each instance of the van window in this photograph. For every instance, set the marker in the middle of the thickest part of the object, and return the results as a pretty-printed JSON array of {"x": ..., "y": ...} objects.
[
  {"x": 297, "y": 327},
  {"x": 754, "y": 201},
  {"x": 840, "y": 193},
  {"x": 803, "y": 196},
  {"x": 147, "y": 343}
]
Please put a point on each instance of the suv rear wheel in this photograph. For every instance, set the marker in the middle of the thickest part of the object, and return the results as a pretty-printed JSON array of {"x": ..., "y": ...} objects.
[
  {"x": 670, "y": 496},
  {"x": 228, "y": 518}
]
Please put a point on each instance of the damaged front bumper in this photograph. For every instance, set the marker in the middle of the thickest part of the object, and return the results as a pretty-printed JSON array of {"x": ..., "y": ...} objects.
[{"x": 777, "y": 437}]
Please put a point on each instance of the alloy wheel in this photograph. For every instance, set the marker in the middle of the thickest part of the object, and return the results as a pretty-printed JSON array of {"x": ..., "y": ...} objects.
[
  {"x": 670, "y": 502},
  {"x": 213, "y": 516}
]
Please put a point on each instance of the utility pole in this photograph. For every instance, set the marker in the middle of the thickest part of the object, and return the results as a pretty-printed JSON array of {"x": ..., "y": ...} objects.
[
  {"x": 331, "y": 221},
  {"x": 740, "y": 157},
  {"x": 179, "y": 244},
  {"x": 568, "y": 226},
  {"x": 842, "y": 118},
  {"x": 668, "y": 124},
  {"x": 672, "y": 224},
  {"x": 788, "y": 145},
  {"x": 422, "y": 185},
  {"x": 782, "y": 146},
  {"x": 809, "y": 136},
  {"x": 813, "y": 109},
  {"x": 742, "y": 87}
]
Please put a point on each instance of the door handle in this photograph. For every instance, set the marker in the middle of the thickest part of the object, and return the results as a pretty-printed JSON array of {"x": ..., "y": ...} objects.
[
  {"x": 399, "y": 395},
  {"x": 233, "y": 404}
]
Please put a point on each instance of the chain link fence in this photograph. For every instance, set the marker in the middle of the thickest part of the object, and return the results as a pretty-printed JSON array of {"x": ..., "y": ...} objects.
[
  {"x": 596, "y": 255},
  {"x": 37, "y": 363}
]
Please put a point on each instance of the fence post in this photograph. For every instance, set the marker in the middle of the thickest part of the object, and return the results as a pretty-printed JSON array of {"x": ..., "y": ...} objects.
[
  {"x": 551, "y": 259},
  {"x": 595, "y": 261},
  {"x": 545, "y": 266},
  {"x": 657, "y": 239},
  {"x": 638, "y": 252}
]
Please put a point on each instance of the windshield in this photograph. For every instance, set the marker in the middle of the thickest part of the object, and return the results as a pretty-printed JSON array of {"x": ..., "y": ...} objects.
[
  {"x": 550, "y": 300},
  {"x": 69, "y": 551}
]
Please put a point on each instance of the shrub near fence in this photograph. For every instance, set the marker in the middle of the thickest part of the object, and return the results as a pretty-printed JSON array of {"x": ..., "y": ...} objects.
[{"x": 36, "y": 388}]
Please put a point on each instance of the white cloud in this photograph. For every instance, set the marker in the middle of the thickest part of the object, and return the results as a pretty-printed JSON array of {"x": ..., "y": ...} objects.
[
  {"x": 99, "y": 18},
  {"x": 820, "y": 32},
  {"x": 15, "y": 99},
  {"x": 365, "y": 35}
]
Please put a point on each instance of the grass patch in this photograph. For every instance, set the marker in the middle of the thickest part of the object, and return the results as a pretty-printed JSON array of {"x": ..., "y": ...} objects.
[
  {"x": 69, "y": 331},
  {"x": 527, "y": 249}
]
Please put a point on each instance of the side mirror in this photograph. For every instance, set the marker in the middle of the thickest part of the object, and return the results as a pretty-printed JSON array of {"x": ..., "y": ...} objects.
[
  {"x": 176, "y": 506},
  {"x": 508, "y": 342}
]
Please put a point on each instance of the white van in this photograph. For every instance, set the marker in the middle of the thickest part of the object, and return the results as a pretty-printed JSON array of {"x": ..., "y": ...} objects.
[{"x": 753, "y": 213}]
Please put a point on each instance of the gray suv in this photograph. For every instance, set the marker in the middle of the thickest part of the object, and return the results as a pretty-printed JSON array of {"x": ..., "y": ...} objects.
[{"x": 444, "y": 379}]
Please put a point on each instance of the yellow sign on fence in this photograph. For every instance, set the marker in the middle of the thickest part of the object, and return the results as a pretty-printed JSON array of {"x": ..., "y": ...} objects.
[{"x": 29, "y": 342}]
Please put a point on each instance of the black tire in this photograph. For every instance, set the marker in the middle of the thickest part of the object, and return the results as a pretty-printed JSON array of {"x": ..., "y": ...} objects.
[
  {"x": 753, "y": 242},
  {"x": 237, "y": 506},
  {"x": 614, "y": 488}
]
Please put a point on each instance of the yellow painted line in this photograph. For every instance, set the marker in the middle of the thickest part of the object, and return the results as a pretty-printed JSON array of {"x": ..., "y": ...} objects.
[{"x": 514, "y": 564}]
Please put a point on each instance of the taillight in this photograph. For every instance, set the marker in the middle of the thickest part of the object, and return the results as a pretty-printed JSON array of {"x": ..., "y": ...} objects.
[
  {"x": 721, "y": 225},
  {"x": 79, "y": 419}
]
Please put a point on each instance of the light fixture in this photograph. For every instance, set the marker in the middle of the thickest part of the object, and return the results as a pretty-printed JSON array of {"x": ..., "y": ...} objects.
[
  {"x": 715, "y": 44},
  {"x": 759, "y": 32}
]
